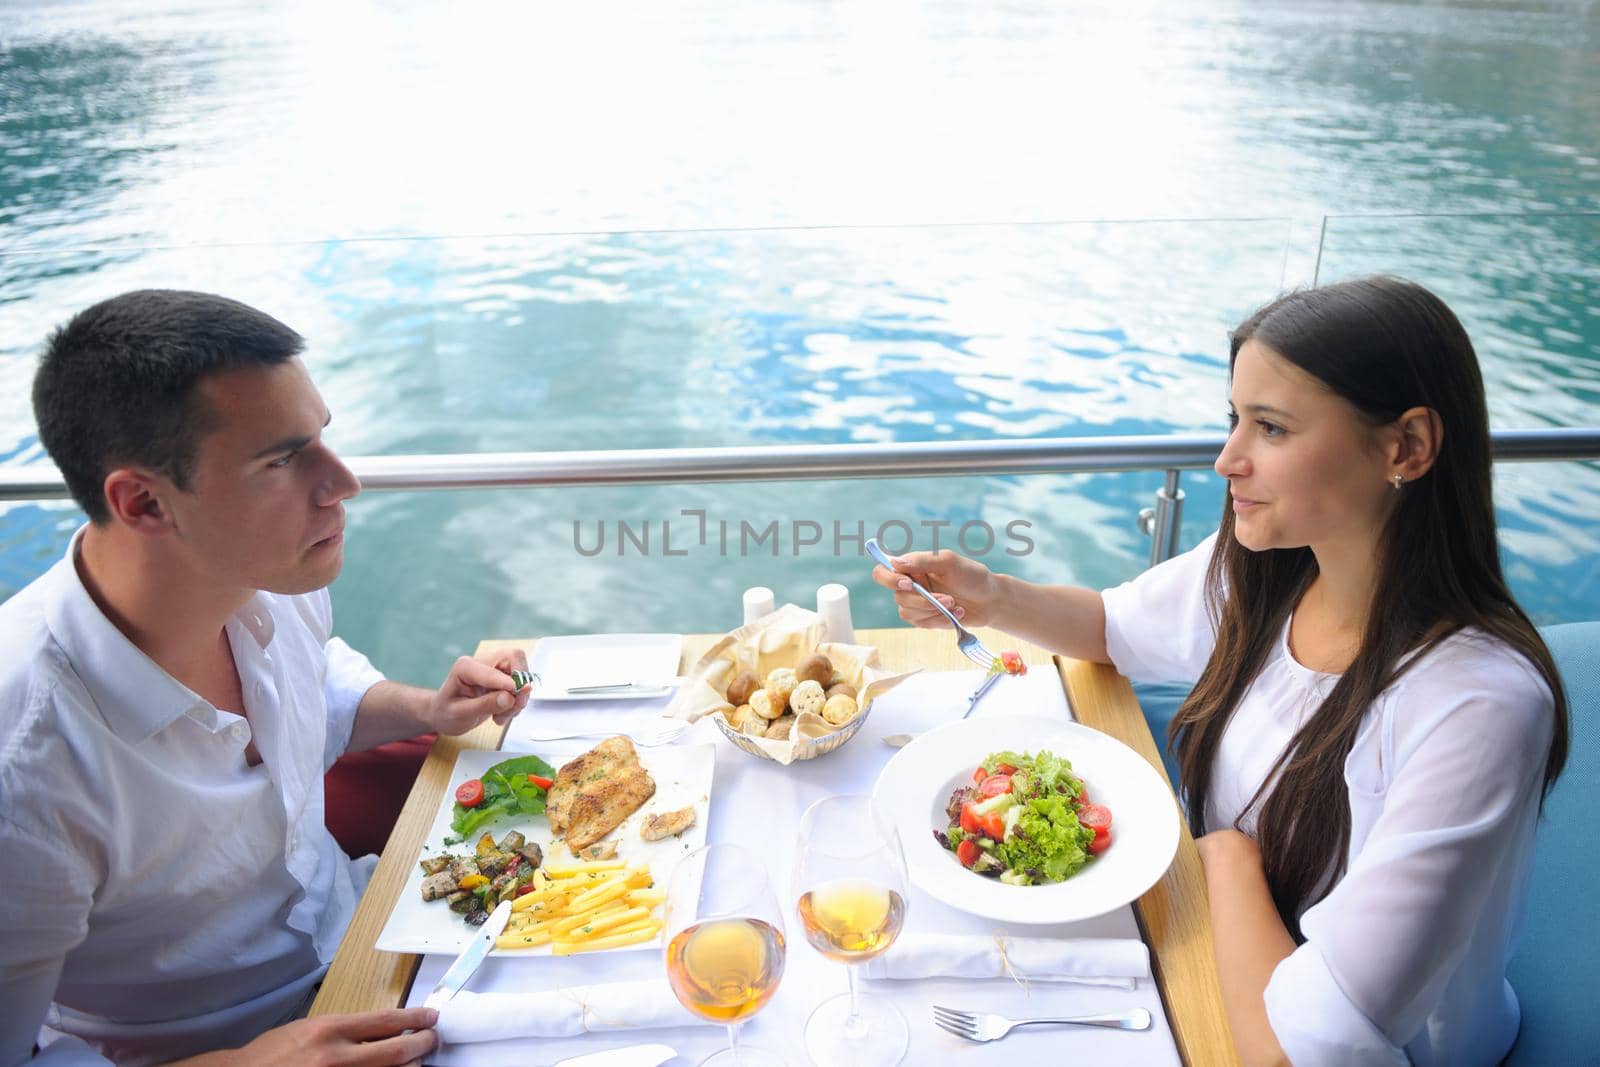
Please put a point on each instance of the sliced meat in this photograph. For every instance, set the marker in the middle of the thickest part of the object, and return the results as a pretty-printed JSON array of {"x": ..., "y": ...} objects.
[
  {"x": 439, "y": 884},
  {"x": 667, "y": 824},
  {"x": 492, "y": 863}
]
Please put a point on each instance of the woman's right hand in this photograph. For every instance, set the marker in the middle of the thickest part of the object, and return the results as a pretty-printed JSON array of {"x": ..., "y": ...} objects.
[{"x": 966, "y": 587}]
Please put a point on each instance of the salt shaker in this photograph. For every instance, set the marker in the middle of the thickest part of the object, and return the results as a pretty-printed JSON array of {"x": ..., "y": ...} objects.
[
  {"x": 758, "y": 601},
  {"x": 833, "y": 604}
]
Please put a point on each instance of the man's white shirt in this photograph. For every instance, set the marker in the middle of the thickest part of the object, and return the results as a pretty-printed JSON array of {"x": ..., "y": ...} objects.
[{"x": 159, "y": 895}]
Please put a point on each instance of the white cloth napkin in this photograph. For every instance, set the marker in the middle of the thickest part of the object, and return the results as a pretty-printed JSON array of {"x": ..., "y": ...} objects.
[
  {"x": 568, "y": 1012},
  {"x": 1090, "y": 960},
  {"x": 574, "y": 716}
]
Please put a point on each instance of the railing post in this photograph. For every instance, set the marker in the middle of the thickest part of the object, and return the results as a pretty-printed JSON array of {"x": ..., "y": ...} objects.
[{"x": 1162, "y": 522}]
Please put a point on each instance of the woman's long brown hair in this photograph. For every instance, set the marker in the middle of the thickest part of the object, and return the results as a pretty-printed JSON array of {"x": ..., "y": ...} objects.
[{"x": 1385, "y": 345}]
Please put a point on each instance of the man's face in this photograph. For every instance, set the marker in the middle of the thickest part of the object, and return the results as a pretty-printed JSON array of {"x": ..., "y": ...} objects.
[{"x": 265, "y": 505}]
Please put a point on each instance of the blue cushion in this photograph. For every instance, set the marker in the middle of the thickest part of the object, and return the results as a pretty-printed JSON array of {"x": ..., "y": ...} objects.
[
  {"x": 1161, "y": 702},
  {"x": 1556, "y": 967}
]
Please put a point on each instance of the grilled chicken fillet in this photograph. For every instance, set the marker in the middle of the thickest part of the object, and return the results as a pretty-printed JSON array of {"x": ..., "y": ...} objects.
[{"x": 594, "y": 793}]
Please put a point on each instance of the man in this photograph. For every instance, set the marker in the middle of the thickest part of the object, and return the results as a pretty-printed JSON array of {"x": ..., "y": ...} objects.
[{"x": 170, "y": 698}]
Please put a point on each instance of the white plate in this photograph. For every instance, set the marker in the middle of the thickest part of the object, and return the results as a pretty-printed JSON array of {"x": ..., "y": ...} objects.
[
  {"x": 564, "y": 663},
  {"x": 683, "y": 777},
  {"x": 916, "y": 784}
]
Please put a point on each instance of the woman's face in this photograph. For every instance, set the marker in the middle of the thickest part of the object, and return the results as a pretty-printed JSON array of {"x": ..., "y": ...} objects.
[{"x": 1302, "y": 467}]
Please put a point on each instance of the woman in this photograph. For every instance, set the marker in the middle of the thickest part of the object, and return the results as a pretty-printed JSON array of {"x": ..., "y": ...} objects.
[{"x": 1374, "y": 721}]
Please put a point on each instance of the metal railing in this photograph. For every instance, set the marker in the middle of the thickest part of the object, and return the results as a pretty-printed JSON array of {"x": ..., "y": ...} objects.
[{"x": 1172, "y": 454}]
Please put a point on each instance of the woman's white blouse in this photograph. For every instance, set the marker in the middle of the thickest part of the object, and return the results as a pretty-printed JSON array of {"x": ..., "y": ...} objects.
[{"x": 1405, "y": 958}]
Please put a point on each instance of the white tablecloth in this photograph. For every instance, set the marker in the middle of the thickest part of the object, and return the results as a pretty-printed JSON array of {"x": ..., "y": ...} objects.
[{"x": 758, "y": 805}]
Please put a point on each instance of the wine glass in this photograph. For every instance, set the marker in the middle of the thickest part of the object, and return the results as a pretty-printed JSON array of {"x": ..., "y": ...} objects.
[
  {"x": 725, "y": 944},
  {"x": 850, "y": 884}
]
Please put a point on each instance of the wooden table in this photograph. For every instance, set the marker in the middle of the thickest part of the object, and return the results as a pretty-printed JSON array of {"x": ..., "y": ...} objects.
[{"x": 1172, "y": 916}]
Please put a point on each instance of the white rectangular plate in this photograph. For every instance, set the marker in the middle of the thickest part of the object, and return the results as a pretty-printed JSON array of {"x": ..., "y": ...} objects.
[
  {"x": 564, "y": 663},
  {"x": 683, "y": 777}
]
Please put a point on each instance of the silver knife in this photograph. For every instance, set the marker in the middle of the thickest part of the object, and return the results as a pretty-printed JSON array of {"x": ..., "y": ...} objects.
[
  {"x": 632, "y": 1056},
  {"x": 902, "y": 740},
  {"x": 468, "y": 961},
  {"x": 977, "y": 694}
]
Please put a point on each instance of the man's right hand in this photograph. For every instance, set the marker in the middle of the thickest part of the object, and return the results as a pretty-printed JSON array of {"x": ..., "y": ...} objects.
[
  {"x": 393, "y": 1037},
  {"x": 969, "y": 589}
]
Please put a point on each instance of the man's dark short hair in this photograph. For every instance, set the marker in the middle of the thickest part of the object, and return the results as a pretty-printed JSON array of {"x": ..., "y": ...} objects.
[{"x": 116, "y": 384}]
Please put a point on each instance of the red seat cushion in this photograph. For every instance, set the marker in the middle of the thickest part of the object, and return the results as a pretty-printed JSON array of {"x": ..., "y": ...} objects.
[{"x": 363, "y": 792}]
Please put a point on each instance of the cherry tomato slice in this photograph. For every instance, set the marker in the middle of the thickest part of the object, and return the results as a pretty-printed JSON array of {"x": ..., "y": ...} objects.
[
  {"x": 969, "y": 821},
  {"x": 1101, "y": 842},
  {"x": 541, "y": 781},
  {"x": 979, "y": 775},
  {"x": 469, "y": 794},
  {"x": 1012, "y": 662},
  {"x": 1096, "y": 817},
  {"x": 1005, "y": 768},
  {"x": 994, "y": 785},
  {"x": 994, "y": 826},
  {"x": 967, "y": 852}
]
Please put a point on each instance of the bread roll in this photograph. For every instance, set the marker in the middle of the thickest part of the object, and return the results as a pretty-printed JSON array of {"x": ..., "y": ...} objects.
[
  {"x": 842, "y": 690},
  {"x": 743, "y": 717},
  {"x": 815, "y": 668},
  {"x": 780, "y": 728},
  {"x": 766, "y": 704},
  {"x": 780, "y": 683},
  {"x": 744, "y": 683},
  {"x": 840, "y": 709},
  {"x": 807, "y": 697}
]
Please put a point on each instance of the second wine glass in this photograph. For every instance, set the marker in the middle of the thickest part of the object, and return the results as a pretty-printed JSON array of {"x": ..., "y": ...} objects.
[
  {"x": 725, "y": 944},
  {"x": 850, "y": 889}
]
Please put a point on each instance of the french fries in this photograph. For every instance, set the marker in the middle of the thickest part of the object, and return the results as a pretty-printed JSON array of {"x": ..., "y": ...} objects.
[{"x": 583, "y": 907}]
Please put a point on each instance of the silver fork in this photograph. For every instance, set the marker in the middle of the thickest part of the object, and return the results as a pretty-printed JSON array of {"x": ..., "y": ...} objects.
[
  {"x": 966, "y": 641},
  {"x": 650, "y": 734},
  {"x": 987, "y": 1026}
]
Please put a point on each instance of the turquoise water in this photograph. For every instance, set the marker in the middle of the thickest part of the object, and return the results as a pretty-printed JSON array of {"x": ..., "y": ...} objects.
[{"x": 723, "y": 223}]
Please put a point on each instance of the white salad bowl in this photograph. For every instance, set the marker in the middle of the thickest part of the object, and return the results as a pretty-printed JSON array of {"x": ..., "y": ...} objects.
[{"x": 915, "y": 786}]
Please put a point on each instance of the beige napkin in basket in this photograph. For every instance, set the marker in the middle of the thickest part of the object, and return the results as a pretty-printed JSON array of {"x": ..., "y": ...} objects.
[{"x": 780, "y": 639}]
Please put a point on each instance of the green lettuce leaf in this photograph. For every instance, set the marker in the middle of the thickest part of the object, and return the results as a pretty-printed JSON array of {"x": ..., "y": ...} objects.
[
  {"x": 506, "y": 792},
  {"x": 1049, "y": 840}
]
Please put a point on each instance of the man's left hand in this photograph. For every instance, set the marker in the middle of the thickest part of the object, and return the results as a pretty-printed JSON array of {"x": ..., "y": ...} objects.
[{"x": 477, "y": 689}]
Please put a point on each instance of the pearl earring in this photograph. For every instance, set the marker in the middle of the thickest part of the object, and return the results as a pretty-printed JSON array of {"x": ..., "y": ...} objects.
[{"x": 1397, "y": 481}]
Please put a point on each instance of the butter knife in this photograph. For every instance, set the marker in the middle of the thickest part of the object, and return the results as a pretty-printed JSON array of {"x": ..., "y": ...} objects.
[
  {"x": 466, "y": 963},
  {"x": 624, "y": 688}
]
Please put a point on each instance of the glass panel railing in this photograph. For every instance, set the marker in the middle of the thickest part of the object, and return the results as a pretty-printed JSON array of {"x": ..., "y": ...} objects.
[
  {"x": 1527, "y": 289},
  {"x": 697, "y": 339},
  {"x": 807, "y": 336}
]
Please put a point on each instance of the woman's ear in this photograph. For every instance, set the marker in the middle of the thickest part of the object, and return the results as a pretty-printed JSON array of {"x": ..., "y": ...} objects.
[{"x": 1419, "y": 434}]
